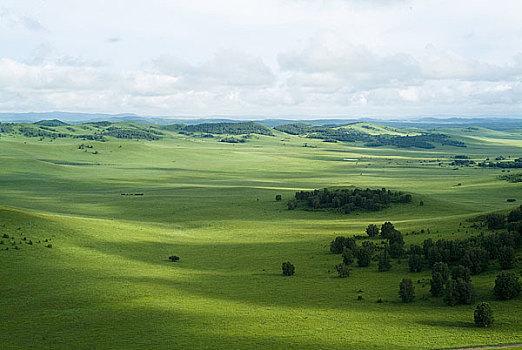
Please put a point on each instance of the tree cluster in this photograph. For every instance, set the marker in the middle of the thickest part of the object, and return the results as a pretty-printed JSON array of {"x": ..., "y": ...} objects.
[{"x": 348, "y": 200}]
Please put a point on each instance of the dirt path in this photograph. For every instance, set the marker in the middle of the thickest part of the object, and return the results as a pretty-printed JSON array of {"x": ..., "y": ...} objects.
[{"x": 490, "y": 347}]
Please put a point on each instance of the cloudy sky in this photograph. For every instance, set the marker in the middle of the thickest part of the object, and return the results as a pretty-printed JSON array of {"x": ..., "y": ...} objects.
[{"x": 268, "y": 58}]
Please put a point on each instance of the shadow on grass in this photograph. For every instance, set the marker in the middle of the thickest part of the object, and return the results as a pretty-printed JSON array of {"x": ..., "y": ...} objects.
[{"x": 448, "y": 324}]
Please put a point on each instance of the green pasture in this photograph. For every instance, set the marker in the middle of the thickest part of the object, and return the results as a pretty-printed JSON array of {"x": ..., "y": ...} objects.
[{"x": 106, "y": 283}]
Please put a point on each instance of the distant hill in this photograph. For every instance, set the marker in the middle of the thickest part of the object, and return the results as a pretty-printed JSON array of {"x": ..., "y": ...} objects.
[{"x": 52, "y": 122}]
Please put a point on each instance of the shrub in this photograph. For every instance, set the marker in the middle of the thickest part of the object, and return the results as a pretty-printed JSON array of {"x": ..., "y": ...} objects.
[
  {"x": 288, "y": 268},
  {"x": 174, "y": 258},
  {"x": 337, "y": 245},
  {"x": 507, "y": 286},
  {"x": 406, "y": 290},
  {"x": 483, "y": 315},
  {"x": 342, "y": 270},
  {"x": 278, "y": 197}
]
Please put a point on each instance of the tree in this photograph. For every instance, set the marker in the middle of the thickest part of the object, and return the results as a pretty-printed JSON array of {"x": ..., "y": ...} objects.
[
  {"x": 370, "y": 246},
  {"x": 384, "y": 260},
  {"x": 278, "y": 197},
  {"x": 461, "y": 272},
  {"x": 415, "y": 263},
  {"x": 337, "y": 245},
  {"x": 347, "y": 256},
  {"x": 465, "y": 291},
  {"x": 496, "y": 221},
  {"x": 386, "y": 229},
  {"x": 437, "y": 284},
  {"x": 483, "y": 315},
  {"x": 364, "y": 256},
  {"x": 288, "y": 268},
  {"x": 406, "y": 290},
  {"x": 506, "y": 257},
  {"x": 507, "y": 286},
  {"x": 476, "y": 259},
  {"x": 342, "y": 270},
  {"x": 174, "y": 258},
  {"x": 450, "y": 293},
  {"x": 372, "y": 230},
  {"x": 442, "y": 268}
]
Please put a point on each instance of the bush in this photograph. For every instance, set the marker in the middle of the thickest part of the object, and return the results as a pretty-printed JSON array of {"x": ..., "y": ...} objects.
[
  {"x": 406, "y": 290},
  {"x": 288, "y": 268},
  {"x": 174, "y": 258},
  {"x": 342, "y": 270},
  {"x": 483, "y": 315},
  {"x": 507, "y": 286},
  {"x": 337, "y": 245},
  {"x": 278, "y": 197}
]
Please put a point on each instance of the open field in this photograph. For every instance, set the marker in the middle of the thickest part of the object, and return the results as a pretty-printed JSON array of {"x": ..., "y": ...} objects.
[{"x": 107, "y": 282}]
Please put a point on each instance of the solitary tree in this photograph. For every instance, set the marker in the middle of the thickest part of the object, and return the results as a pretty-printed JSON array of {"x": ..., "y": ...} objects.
[
  {"x": 406, "y": 290},
  {"x": 278, "y": 197},
  {"x": 507, "y": 286},
  {"x": 372, "y": 230},
  {"x": 483, "y": 315},
  {"x": 288, "y": 268}
]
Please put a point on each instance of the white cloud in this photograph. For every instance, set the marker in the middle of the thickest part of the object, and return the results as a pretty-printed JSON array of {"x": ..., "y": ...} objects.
[{"x": 264, "y": 57}]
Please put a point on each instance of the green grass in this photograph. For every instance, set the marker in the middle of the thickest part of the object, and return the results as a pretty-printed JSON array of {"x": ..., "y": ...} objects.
[{"x": 107, "y": 283}]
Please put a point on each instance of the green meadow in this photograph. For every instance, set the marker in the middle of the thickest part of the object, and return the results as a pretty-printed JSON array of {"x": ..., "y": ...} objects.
[{"x": 107, "y": 283}]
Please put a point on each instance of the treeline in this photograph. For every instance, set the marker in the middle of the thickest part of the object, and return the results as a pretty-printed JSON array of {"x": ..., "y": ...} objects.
[
  {"x": 127, "y": 133},
  {"x": 334, "y": 133},
  {"x": 348, "y": 200},
  {"x": 229, "y": 128}
]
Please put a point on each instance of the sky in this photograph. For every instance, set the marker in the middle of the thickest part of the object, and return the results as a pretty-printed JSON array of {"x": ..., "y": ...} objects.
[{"x": 266, "y": 58}]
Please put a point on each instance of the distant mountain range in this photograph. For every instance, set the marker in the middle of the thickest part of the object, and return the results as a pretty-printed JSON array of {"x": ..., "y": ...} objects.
[{"x": 495, "y": 123}]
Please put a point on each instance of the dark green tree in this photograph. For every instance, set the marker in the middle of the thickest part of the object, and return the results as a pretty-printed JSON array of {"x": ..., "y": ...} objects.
[
  {"x": 278, "y": 197},
  {"x": 496, "y": 221},
  {"x": 441, "y": 268},
  {"x": 465, "y": 291},
  {"x": 476, "y": 259},
  {"x": 384, "y": 260},
  {"x": 415, "y": 263},
  {"x": 437, "y": 284},
  {"x": 461, "y": 272},
  {"x": 483, "y": 315},
  {"x": 342, "y": 270},
  {"x": 364, "y": 257},
  {"x": 347, "y": 256},
  {"x": 506, "y": 257},
  {"x": 288, "y": 268},
  {"x": 406, "y": 290},
  {"x": 450, "y": 293},
  {"x": 507, "y": 286},
  {"x": 386, "y": 229},
  {"x": 337, "y": 245},
  {"x": 372, "y": 230}
]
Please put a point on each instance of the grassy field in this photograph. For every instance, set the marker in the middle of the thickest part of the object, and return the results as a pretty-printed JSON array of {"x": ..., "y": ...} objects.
[{"x": 106, "y": 283}]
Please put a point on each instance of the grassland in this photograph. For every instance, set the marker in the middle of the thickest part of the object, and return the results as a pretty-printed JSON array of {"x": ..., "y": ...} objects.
[{"x": 107, "y": 283}]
